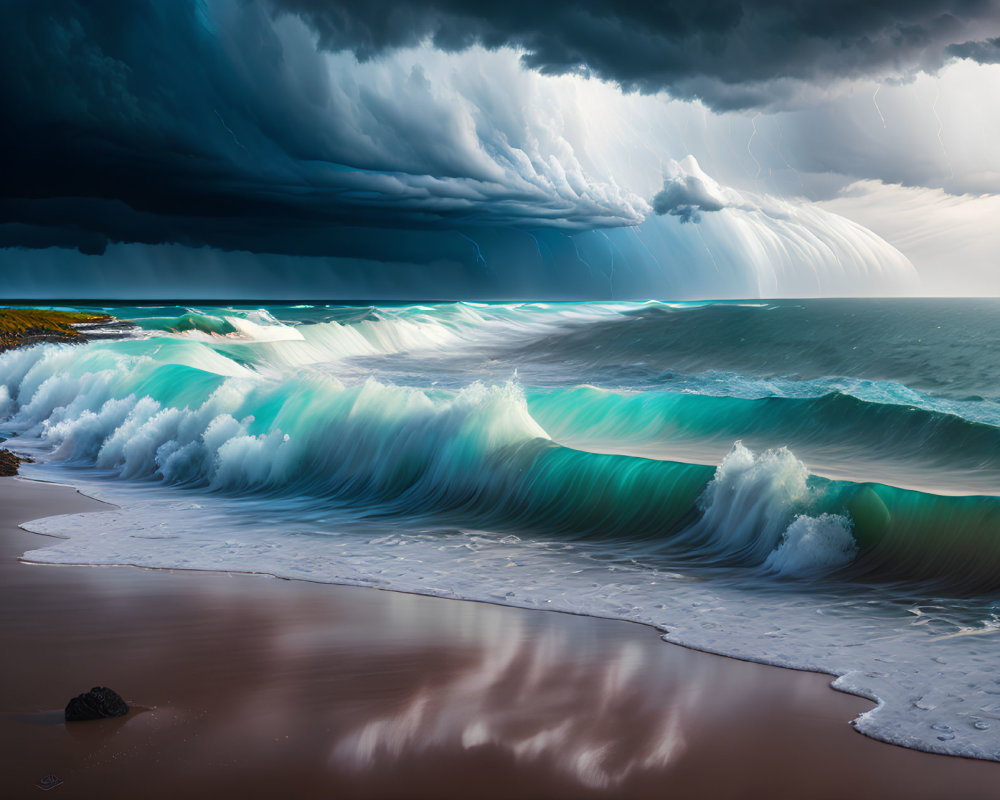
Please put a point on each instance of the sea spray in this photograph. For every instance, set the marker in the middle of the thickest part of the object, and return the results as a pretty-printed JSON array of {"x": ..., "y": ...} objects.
[
  {"x": 812, "y": 544},
  {"x": 753, "y": 514}
]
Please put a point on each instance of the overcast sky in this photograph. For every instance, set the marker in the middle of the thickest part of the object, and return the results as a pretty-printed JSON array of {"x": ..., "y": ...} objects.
[{"x": 443, "y": 148}]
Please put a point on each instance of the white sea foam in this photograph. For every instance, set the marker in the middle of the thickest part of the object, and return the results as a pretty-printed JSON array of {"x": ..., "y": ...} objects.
[
  {"x": 814, "y": 543},
  {"x": 748, "y": 504},
  {"x": 929, "y": 679},
  {"x": 263, "y": 327},
  {"x": 753, "y": 510},
  {"x": 322, "y": 433}
]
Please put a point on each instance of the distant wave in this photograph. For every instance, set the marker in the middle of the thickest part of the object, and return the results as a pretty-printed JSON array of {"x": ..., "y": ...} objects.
[{"x": 906, "y": 443}]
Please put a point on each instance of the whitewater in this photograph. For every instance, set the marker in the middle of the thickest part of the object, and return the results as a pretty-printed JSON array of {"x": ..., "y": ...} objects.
[{"x": 813, "y": 484}]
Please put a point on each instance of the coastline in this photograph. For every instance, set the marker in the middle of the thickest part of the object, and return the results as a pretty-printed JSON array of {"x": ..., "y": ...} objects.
[
  {"x": 266, "y": 686},
  {"x": 22, "y": 327}
]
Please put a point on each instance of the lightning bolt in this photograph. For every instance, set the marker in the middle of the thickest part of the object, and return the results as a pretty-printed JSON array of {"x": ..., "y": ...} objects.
[
  {"x": 875, "y": 101},
  {"x": 940, "y": 129},
  {"x": 534, "y": 238},
  {"x": 228, "y": 129},
  {"x": 750, "y": 141},
  {"x": 635, "y": 232},
  {"x": 781, "y": 155},
  {"x": 611, "y": 273},
  {"x": 580, "y": 258},
  {"x": 708, "y": 249},
  {"x": 480, "y": 258}
]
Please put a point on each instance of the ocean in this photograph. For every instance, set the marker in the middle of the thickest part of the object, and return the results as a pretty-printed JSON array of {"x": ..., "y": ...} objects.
[{"x": 812, "y": 483}]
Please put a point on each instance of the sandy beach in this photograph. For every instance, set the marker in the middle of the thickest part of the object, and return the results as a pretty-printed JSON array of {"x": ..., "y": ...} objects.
[{"x": 245, "y": 685}]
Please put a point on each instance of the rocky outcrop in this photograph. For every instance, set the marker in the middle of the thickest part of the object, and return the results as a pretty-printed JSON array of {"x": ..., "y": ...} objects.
[
  {"x": 9, "y": 462},
  {"x": 99, "y": 703},
  {"x": 20, "y": 327}
]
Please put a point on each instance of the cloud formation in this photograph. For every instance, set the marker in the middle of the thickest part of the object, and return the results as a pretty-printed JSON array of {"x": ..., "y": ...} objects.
[
  {"x": 952, "y": 240},
  {"x": 688, "y": 191},
  {"x": 217, "y": 124},
  {"x": 983, "y": 52},
  {"x": 252, "y": 126},
  {"x": 731, "y": 54}
]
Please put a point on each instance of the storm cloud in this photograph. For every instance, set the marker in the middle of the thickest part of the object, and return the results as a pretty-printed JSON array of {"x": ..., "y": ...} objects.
[
  {"x": 984, "y": 52},
  {"x": 731, "y": 54},
  {"x": 386, "y": 133},
  {"x": 133, "y": 121}
]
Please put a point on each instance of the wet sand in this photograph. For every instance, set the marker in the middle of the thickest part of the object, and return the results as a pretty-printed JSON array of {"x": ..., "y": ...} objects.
[{"x": 251, "y": 686}]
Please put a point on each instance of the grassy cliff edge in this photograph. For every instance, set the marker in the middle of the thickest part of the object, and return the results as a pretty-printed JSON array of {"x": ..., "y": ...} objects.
[{"x": 24, "y": 326}]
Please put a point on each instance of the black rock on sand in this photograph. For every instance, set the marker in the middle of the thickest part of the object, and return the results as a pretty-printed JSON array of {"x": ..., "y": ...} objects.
[{"x": 99, "y": 703}]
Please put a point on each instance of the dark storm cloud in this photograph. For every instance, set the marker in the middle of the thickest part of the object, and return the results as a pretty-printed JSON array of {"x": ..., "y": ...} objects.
[
  {"x": 724, "y": 52},
  {"x": 135, "y": 121},
  {"x": 220, "y": 124},
  {"x": 985, "y": 52}
]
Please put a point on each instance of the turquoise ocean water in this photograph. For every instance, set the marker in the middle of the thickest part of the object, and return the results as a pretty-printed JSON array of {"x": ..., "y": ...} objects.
[{"x": 806, "y": 483}]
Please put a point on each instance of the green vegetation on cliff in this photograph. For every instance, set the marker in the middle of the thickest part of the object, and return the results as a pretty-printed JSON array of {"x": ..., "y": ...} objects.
[{"x": 22, "y": 326}]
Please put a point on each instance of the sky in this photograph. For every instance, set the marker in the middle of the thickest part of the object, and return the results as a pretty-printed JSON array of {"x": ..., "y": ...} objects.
[{"x": 295, "y": 149}]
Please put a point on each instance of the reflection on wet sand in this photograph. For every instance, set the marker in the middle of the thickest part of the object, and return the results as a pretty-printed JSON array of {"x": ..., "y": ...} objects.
[
  {"x": 593, "y": 720},
  {"x": 266, "y": 688}
]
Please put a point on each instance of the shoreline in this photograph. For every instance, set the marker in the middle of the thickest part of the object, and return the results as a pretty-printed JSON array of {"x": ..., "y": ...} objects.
[
  {"x": 660, "y": 631},
  {"x": 388, "y": 694}
]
